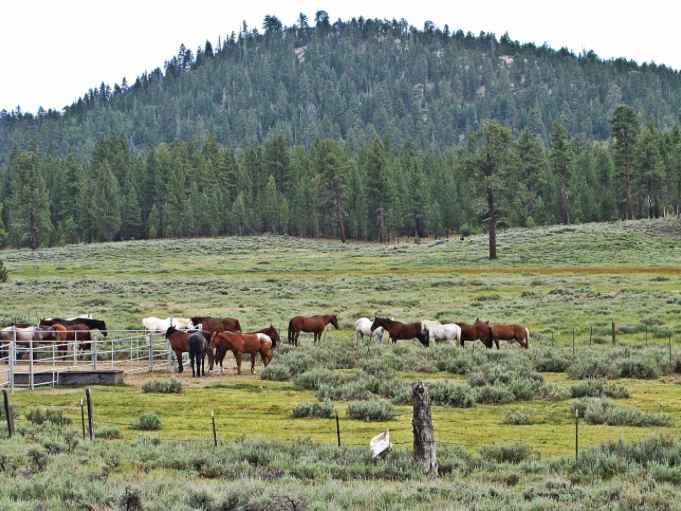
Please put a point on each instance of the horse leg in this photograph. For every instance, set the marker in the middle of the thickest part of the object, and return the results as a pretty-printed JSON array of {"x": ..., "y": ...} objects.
[
  {"x": 253, "y": 363},
  {"x": 237, "y": 357},
  {"x": 178, "y": 355}
]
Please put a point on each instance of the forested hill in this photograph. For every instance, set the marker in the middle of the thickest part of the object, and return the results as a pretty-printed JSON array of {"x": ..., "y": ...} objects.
[{"x": 349, "y": 79}]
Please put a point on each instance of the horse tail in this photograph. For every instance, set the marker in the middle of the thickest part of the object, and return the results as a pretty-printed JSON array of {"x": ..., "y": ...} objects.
[{"x": 527, "y": 336}]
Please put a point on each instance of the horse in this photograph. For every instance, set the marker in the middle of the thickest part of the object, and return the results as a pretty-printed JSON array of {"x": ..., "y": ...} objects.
[
  {"x": 442, "y": 332},
  {"x": 25, "y": 337},
  {"x": 315, "y": 324},
  {"x": 511, "y": 333},
  {"x": 484, "y": 331},
  {"x": 178, "y": 343},
  {"x": 154, "y": 324},
  {"x": 270, "y": 332},
  {"x": 363, "y": 327},
  {"x": 398, "y": 330},
  {"x": 470, "y": 333},
  {"x": 209, "y": 326},
  {"x": 75, "y": 331},
  {"x": 239, "y": 343},
  {"x": 198, "y": 346},
  {"x": 58, "y": 333},
  {"x": 93, "y": 324}
]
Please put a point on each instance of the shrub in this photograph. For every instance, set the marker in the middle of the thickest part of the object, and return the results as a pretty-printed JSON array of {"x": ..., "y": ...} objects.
[
  {"x": 47, "y": 415},
  {"x": 491, "y": 394},
  {"x": 511, "y": 453},
  {"x": 452, "y": 394},
  {"x": 311, "y": 380},
  {"x": 276, "y": 373},
  {"x": 551, "y": 360},
  {"x": 598, "y": 388},
  {"x": 604, "y": 411},
  {"x": 168, "y": 386},
  {"x": 323, "y": 409},
  {"x": 148, "y": 422},
  {"x": 589, "y": 367},
  {"x": 353, "y": 390},
  {"x": 108, "y": 433},
  {"x": 638, "y": 367},
  {"x": 521, "y": 417},
  {"x": 3, "y": 273},
  {"x": 373, "y": 410}
]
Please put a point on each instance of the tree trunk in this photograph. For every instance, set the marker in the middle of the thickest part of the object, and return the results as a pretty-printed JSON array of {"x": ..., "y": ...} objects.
[
  {"x": 425, "y": 451},
  {"x": 492, "y": 226}
]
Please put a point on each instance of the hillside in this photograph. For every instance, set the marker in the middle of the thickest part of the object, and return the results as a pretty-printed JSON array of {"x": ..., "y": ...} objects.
[{"x": 351, "y": 78}]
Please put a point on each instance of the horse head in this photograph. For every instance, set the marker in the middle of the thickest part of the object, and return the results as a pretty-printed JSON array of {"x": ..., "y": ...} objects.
[
  {"x": 171, "y": 330},
  {"x": 378, "y": 322},
  {"x": 334, "y": 321}
]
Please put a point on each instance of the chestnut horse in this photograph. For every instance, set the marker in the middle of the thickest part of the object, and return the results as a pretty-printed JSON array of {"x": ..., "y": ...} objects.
[
  {"x": 179, "y": 343},
  {"x": 473, "y": 333},
  {"x": 270, "y": 332},
  {"x": 511, "y": 333},
  {"x": 315, "y": 324},
  {"x": 211, "y": 325},
  {"x": 400, "y": 331},
  {"x": 75, "y": 331},
  {"x": 239, "y": 343}
]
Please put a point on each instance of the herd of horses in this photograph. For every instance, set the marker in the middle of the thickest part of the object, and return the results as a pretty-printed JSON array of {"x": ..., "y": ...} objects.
[{"x": 209, "y": 337}]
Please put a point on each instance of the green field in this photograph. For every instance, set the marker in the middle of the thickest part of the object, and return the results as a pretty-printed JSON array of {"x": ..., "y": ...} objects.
[{"x": 552, "y": 279}]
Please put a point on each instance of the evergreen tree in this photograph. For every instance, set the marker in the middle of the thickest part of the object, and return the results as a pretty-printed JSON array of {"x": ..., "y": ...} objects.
[
  {"x": 328, "y": 163},
  {"x": 560, "y": 161},
  {"x": 625, "y": 127},
  {"x": 377, "y": 188}
]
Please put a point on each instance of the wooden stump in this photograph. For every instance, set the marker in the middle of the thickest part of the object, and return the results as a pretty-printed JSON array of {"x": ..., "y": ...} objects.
[{"x": 425, "y": 451}]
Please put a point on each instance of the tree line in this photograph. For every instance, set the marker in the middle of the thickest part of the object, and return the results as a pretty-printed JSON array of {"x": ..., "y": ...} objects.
[
  {"x": 346, "y": 80},
  {"x": 377, "y": 191}
]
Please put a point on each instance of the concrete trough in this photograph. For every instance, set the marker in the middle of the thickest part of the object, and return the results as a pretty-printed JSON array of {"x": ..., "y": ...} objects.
[{"x": 99, "y": 377}]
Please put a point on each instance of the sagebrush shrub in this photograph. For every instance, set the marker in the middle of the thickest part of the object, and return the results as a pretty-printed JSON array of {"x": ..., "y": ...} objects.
[
  {"x": 167, "y": 386},
  {"x": 510, "y": 453},
  {"x": 148, "y": 422},
  {"x": 47, "y": 415},
  {"x": 319, "y": 409},
  {"x": 372, "y": 410}
]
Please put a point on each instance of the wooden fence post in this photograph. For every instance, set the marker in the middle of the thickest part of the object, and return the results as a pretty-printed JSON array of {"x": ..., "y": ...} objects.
[
  {"x": 82, "y": 416},
  {"x": 338, "y": 435},
  {"x": 614, "y": 332},
  {"x": 215, "y": 433},
  {"x": 425, "y": 450},
  {"x": 9, "y": 416},
  {"x": 90, "y": 415}
]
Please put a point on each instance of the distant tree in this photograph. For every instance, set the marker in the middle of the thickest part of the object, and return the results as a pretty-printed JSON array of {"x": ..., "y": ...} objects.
[
  {"x": 560, "y": 161},
  {"x": 302, "y": 21},
  {"x": 377, "y": 188},
  {"x": 329, "y": 164},
  {"x": 490, "y": 161},
  {"x": 271, "y": 24},
  {"x": 624, "y": 127}
]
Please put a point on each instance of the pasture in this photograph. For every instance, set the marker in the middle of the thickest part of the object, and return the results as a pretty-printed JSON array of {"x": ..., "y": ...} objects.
[{"x": 552, "y": 279}]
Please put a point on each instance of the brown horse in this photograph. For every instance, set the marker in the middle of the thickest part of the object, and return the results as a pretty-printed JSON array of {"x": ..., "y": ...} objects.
[
  {"x": 179, "y": 343},
  {"x": 270, "y": 332},
  {"x": 211, "y": 325},
  {"x": 315, "y": 324},
  {"x": 399, "y": 331},
  {"x": 58, "y": 333},
  {"x": 511, "y": 333},
  {"x": 473, "y": 333},
  {"x": 75, "y": 331},
  {"x": 239, "y": 343}
]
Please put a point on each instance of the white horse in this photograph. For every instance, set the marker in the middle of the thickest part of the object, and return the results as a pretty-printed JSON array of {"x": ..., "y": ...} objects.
[
  {"x": 449, "y": 332},
  {"x": 363, "y": 327},
  {"x": 154, "y": 324}
]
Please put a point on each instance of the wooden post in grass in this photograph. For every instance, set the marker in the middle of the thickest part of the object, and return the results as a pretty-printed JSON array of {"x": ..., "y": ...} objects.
[
  {"x": 338, "y": 437},
  {"x": 425, "y": 450},
  {"x": 215, "y": 433},
  {"x": 90, "y": 415},
  {"x": 614, "y": 332},
  {"x": 9, "y": 417},
  {"x": 576, "y": 435},
  {"x": 82, "y": 416}
]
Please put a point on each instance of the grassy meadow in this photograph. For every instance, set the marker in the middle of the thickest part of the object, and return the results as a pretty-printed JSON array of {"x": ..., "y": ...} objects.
[{"x": 553, "y": 279}]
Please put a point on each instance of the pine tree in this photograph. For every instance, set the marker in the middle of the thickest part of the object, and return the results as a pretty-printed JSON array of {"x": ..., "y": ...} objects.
[
  {"x": 107, "y": 205},
  {"x": 153, "y": 223},
  {"x": 377, "y": 188},
  {"x": 560, "y": 161},
  {"x": 270, "y": 206},
  {"x": 329, "y": 164},
  {"x": 624, "y": 127}
]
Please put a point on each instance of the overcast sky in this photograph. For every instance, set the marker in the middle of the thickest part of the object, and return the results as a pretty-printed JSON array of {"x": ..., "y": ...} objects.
[{"x": 55, "y": 50}]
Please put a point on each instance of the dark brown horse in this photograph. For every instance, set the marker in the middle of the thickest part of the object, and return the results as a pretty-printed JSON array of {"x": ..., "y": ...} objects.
[
  {"x": 179, "y": 343},
  {"x": 75, "y": 331},
  {"x": 402, "y": 331},
  {"x": 211, "y": 325},
  {"x": 473, "y": 333},
  {"x": 239, "y": 343},
  {"x": 511, "y": 333},
  {"x": 314, "y": 324}
]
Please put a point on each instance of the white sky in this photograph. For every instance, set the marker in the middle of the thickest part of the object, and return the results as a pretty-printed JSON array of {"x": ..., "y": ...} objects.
[{"x": 54, "y": 50}]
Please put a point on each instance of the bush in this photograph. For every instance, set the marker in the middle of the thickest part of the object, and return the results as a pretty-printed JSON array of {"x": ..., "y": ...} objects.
[
  {"x": 322, "y": 410},
  {"x": 638, "y": 367},
  {"x": 311, "y": 380},
  {"x": 168, "y": 386},
  {"x": 590, "y": 368},
  {"x": 492, "y": 394},
  {"x": 353, "y": 390},
  {"x": 551, "y": 360},
  {"x": 373, "y": 410},
  {"x": 276, "y": 373},
  {"x": 512, "y": 453},
  {"x": 3, "y": 273},
  {"x": 148, "y": 422},
  {"x": 452, "y": 394},
  {"x": 604, "y": 411},
  {"x": 47, "y": 415},
  {"x": 108, "y": 433},
  {"x": 599, "y": 388},
  {"x": 521, "y": 417}
]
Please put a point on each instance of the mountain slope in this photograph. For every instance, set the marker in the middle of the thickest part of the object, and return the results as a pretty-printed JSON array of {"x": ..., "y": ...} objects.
[{"x": 347, "y": 80}]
